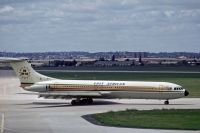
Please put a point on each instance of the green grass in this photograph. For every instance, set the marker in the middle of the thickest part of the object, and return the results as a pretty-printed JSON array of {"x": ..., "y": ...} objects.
[
  {"x": 190, "y": 81},
  {"x": 161, "y": 119}
]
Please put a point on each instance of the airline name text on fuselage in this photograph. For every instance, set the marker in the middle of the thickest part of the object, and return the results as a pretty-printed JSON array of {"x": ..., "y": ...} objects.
[{"x": 109, "y": 84}]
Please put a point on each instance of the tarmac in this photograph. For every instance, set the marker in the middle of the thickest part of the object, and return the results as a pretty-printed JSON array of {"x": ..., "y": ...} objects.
[{"x": 21, "y": 113}]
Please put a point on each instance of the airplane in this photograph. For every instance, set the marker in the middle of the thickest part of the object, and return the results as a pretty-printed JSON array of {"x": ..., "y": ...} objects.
[{"x": 82, "y": 92}]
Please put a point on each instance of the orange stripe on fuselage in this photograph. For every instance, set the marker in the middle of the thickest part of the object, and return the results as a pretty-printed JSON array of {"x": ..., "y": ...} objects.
[{"x": 57, "y": 87}]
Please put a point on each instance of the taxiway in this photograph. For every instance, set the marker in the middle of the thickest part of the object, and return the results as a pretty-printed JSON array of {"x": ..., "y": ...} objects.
[{"x": 20, "y": 113}]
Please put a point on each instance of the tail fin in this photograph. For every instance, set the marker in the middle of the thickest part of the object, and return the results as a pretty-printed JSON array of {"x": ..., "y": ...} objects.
[{"x": 25, "y": 72}]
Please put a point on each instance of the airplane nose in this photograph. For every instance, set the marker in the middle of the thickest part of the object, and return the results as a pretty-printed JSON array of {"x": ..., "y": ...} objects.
[{"x": 186, "y": 93}]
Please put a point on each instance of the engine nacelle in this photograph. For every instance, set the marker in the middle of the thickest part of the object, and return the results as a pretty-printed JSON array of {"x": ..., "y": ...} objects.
[{"x": 37, "y": 88}]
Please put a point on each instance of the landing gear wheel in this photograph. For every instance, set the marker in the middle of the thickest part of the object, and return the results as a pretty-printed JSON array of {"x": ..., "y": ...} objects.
[
  {"x": 84, "y": 101},
  {"x": 90, "y": 101},
  {"x": 73, "y": 102},
  {"x": 166, "y": 102}
]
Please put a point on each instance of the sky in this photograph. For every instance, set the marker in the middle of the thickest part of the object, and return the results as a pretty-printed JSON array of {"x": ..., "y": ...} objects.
[{"x": 100, "y": 25}]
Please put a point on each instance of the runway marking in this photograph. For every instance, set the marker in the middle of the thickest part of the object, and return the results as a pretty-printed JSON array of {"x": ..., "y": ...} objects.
[{"x": 2, "y": 123}]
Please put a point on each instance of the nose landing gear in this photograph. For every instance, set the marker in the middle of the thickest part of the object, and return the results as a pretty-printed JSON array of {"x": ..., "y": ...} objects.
[{"x": 166, "y": 102}]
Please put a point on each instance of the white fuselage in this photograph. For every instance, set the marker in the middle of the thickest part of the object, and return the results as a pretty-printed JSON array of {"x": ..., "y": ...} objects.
[{"x": 110, "y": 89}]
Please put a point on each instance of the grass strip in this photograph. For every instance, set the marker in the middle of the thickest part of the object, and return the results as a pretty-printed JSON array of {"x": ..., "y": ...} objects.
[{"x": 183, "y": 119}]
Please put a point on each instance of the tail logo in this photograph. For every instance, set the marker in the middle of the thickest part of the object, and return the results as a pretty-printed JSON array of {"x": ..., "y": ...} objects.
[{"x": 24, "y": 72}]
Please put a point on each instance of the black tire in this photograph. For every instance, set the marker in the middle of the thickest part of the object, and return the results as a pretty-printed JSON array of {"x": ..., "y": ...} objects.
[
  {"x": 84, "y": 101},
  {"x": 73, "y": 102},
  {"x": 166, "y": 102},
  {"x": 90, "y": 101}
]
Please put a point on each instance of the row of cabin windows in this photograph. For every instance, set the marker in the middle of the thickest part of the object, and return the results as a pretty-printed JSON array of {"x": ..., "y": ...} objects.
[
  {"x": 98, "y": 86},
  {"x": 178, "y": 88}
]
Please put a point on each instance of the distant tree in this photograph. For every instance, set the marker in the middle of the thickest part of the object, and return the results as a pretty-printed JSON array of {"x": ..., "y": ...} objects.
[
  {"x": 49, "y": 63},
  {"x": 133, "y": 63},
  {"x": 113, "y": 58},
  {"x": 101, "y": 59},
  {"x": 74, "y": 62},
  {"x": 62, "y": 63},
  {"x": 56, "y": 63},
  {"x": 183, "y": 62},
  {"x": 127, "y": 59},
  {"x": 140, "y": 59}
]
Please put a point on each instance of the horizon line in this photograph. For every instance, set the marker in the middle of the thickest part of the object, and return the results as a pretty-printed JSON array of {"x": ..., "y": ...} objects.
[{"x": 100, "y": 52}]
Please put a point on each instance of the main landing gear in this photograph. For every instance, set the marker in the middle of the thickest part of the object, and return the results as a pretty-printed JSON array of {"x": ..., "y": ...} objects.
[
  {"x": 85, "y": 101},
  {"x": 166, "y": 102}
]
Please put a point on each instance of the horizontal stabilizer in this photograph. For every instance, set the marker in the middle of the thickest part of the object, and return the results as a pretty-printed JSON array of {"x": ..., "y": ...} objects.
[
  {"x": 9, "y": 59},
  {"x": 24, "y": 70}
]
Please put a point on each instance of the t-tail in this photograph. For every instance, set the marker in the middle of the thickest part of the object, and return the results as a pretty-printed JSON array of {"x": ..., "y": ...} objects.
[{"x": 26, "y": 74}]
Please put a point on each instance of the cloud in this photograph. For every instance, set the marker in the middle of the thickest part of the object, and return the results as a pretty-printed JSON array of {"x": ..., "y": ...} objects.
[
  {"x": 83, "y": 6},
  {"x": 139, "y": 25},
  {"x": 6, "y": 9},
  {"x": 54, "y": 13}
]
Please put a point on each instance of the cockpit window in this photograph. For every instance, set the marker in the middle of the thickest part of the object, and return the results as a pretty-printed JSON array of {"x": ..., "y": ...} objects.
[{"x": 178, "y": 88}]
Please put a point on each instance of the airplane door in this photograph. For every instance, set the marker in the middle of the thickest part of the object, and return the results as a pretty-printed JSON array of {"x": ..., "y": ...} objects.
[
  {"x": 47, "y": 88},
  {"x": 160, "y": 87}
]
